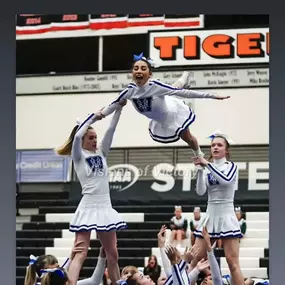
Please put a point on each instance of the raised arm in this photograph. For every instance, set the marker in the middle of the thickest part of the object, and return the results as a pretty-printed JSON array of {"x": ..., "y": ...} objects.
[
  {"x": 226, "y": 177},
  {"x": 214, "y": 266},
  {"x": 161, "y": 244},
  {"x": 108, "y": 137},
  {"x": 76, "y": 146},
  {"x": 201, "y": 186},
  {"x": 97, "y": 275},
  {"x": 115, "y": 104},
  {"x": 162, "y": 89},
  {"x": 215, "y": 269}
]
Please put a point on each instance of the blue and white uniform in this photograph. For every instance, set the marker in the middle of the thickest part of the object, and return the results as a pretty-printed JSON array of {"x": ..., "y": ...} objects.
[
  {"x": 96, "y": 277},
  {"x": 169, "y": 115},
  {"x": 220, "y": 180},
  {"x": 95, "y": 211}
]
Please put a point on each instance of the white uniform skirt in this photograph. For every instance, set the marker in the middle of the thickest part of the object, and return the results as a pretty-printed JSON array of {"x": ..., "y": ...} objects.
[
  {"x": 221, "y": 222},
  {"x": 178, "y": 119},
  {"x": 95, "y": 212}
]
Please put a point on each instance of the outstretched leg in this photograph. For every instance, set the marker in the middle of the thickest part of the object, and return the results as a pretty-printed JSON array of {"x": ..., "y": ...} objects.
[
  {"x": 182, "y": 81},
  {"x": 192, "y": 142}
]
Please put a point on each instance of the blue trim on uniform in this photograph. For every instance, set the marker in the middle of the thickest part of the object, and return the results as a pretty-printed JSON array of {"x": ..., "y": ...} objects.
[
  {"x": 178, "y": 274},
  {"x": 227, "y": 234},
  {"x": 176, "y": 136},
  {"x": 132, "y": 85},
  {"x": 169, "y": 280},
  {"x": 228, "y": 177},
  {"x": 65, "y": 262},
  {"x": 124, "y": 92},
  {"x": 82, "y": 124},
  {"x": 165, "y": 85},
  {"x": 105, "y": 228}
]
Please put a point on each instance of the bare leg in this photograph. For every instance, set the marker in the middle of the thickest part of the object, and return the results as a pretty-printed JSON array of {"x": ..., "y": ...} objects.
[
  {"x": 192, "y": 142},
  {"x": 231, "y": 247},
  {"x": 109, "y": 242},
  {"x": 193, "y": 238},
  {"x": 220, "y": 243},
  {"x": 79, "y": 258},
  {"x": 173, "y": 236},
  {"x": 179, "y": 235}
]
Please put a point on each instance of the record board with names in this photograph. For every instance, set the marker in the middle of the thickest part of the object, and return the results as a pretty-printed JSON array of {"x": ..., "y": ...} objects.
[{"x": 116, "y": 82}]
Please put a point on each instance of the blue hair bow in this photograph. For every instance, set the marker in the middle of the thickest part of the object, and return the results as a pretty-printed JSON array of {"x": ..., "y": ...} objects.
[
  {"x": 57, "y": 271},
  {"x": 218, "y": 133},
  {"x": 33, "y": 259},
  {"x": 149, "y": 60}
]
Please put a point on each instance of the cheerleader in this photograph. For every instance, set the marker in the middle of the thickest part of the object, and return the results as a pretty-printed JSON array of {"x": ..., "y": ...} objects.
[
  {"x": 170, "y": 116},
  {"x": 219, "y": 178},
  {"x": 194, "y": 223},
  {"x": 95, "y": 211},
  {"x": 178, "y": 226},
  {"x": 39, "y": 266},
  {"x": 241, "y": 220}
]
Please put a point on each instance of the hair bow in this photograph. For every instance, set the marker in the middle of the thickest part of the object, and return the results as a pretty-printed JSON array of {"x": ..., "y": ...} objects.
[
  {"x": 57, "y": 271},
  {"x": 33, "y": 259},
  {"x": 149, "y": 60},
  {"x": 237, "y": 209},
  {"x": 218, "y": 133}
]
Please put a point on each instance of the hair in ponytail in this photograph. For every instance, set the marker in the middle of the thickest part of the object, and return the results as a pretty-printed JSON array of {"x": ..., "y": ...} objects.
[
  {"x": 65, "y": 149},
  {"x": 58, "y": 276},
  {"x": 34, "y": 269}
]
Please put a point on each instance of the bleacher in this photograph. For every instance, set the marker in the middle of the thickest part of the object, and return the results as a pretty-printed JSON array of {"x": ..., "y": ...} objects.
[{"x": 43, "y": 221}]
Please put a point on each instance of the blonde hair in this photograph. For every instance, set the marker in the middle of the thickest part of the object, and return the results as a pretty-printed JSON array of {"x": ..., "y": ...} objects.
[
  {"x": 53, "y": 278},
  {"x": 33, "y": 270},
  {"x": 66, "y": 148},
  {"x": 132, "y": 269}
]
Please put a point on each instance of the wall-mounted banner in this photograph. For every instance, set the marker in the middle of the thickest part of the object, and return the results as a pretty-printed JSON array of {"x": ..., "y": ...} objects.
[
  {"x": 142, "y": 192},
  {"x": 127, "y": 183},
  {"x": 41, "y": 166},
  {"x": 96, "y": 83},
  {"x": 125, "y": 176},
  {"x": 48, "y": 26},
  {"x": 206, "y": 47}
]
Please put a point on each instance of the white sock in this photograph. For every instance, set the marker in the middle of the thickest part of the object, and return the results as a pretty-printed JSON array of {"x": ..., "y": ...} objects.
[
  {"x": 198, "y": 152},
  {"x": 183, "y": 80}
]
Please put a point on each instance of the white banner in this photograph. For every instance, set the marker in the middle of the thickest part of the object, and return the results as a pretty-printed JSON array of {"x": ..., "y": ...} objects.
[
  {"x": 207, "y": 47},
  {"x": 116, "y": 82}
]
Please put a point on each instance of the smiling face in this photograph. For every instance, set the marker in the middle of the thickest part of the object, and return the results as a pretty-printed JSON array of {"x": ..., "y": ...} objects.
[
  {"x": 219, "y": 148},
  {"x": 141, "y": 72},
  {"x": 142, "y": 279}
]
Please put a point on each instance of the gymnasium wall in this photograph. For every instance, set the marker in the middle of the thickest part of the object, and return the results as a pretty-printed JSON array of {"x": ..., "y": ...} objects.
[{"x": 45, "y": 121}]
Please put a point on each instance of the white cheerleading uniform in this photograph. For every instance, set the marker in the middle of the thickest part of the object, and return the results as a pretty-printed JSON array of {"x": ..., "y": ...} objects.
[
  {"x": 169, "y": 115},
  {"x": 95, "y": 211},
  {"x": 219, "y": 179}
]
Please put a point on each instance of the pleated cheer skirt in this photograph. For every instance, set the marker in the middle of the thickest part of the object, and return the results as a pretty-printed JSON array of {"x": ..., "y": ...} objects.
[
  {"x": 95, "y": 212},
  {"x": 220, "y": 221},
  {"x": 177, "y": 120}
]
